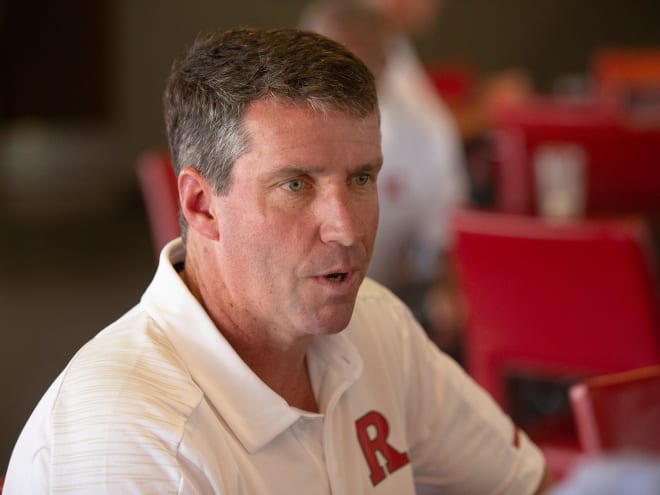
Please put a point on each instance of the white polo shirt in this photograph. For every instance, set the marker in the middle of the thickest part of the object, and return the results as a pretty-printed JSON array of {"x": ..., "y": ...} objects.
[{"x": 159, "y": 402}]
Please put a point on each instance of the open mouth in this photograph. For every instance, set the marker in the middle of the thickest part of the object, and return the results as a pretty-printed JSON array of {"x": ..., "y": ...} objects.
[{"x": 337, "y": 276}]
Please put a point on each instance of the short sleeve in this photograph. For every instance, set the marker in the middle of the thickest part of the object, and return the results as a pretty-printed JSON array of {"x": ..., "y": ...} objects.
[{"x": 462, "y": 442}]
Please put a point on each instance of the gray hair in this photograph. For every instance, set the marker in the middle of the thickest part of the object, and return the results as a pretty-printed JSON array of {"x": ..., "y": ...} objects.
[{"x": 210, "y": 87}]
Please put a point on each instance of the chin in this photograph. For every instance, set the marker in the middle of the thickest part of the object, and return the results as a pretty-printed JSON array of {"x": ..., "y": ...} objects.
[{"x": 328, "y": 324}]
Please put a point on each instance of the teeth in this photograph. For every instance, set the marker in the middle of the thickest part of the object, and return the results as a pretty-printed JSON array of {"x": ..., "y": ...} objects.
[{"x": 338, "y": 277}]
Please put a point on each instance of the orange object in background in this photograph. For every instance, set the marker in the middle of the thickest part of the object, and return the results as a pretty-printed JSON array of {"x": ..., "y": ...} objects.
[
  {"x": 629, "y": 78},
  {"x": 612, "y": 66}
]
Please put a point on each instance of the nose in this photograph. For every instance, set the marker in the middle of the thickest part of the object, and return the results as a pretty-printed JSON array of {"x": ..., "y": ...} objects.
[{"x": 339, "y": 218}]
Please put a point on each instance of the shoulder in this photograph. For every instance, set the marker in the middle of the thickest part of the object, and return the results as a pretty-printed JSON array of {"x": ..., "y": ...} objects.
[
  {"x": 114, "y": 418},
  {"x": 122, "y": 406},
  {"x": 127, "y": 368}
]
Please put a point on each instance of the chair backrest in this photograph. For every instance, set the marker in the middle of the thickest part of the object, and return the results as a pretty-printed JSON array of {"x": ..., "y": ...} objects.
[
  {"x": 554, "y": 299},
  {"x": 619, "y": 411},
  {"x": 621, "y": 172},
  {"x": 160, "y": 195}
]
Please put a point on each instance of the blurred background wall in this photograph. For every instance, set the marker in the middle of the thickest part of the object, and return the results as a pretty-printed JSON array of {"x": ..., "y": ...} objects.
[{"x": 80, "y": 86}]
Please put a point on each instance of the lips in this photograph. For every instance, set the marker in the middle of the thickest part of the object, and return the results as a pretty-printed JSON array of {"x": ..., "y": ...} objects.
[
  {"x": 343, "y": 271},
  {"x": 339, "y": 282},
  {"x": 340, "y": 277},
  {"x": 336, "y": 276}
]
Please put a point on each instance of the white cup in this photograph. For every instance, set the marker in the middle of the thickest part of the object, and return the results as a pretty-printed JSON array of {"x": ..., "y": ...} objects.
[{"x": 560, "y": 180}]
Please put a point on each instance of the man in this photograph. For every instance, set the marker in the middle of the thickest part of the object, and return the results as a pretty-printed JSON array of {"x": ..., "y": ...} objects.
[{"x": 259, "y": 360}]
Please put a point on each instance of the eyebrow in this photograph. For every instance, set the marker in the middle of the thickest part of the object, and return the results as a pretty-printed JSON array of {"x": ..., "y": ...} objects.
[
  {"x": 295, "y": 171},
  {"x": 372, "y": 167}
]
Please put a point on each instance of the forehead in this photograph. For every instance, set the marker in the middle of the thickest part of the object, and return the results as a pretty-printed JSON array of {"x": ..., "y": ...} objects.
[{"x": 288, "y": 133}]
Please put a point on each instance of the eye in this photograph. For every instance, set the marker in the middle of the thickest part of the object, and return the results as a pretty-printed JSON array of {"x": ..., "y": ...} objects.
[
  {"x": 294, "y": 185},
  {"x": 361, "y": 180}
]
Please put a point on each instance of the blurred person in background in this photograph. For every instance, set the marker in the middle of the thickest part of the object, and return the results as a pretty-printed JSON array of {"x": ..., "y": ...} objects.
[
  {"x": 423, "y": 176},
  {"x": 464, "y": 125}
]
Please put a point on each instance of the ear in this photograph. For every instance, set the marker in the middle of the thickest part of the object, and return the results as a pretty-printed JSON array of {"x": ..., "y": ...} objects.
[{"x": 196, "y": 196}]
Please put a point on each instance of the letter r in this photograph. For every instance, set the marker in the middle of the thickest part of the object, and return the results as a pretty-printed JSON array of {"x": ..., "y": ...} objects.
[{"x": 377, "y": 442}]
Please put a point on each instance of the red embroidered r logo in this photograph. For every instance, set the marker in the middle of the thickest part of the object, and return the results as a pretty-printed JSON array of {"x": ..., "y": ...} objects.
[{"x": 372, "y": 431}]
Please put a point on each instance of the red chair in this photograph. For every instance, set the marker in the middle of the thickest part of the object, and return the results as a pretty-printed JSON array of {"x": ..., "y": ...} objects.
[
  {"x": 553, "y": 302},
  {"x": 621, "y": 162},
  {"x": 160, "y": 194},
  {"x": 619, "y": 411},
  {"x": 575, "y": 298}
]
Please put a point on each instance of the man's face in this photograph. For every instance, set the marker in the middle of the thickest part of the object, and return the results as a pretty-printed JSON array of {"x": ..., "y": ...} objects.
[{"x": 297, "y": 225}]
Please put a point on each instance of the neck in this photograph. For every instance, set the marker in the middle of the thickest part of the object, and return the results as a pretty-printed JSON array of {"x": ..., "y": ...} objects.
[
  {"x": 283, "y": 368},
  {"x": 280, "y": 364}
]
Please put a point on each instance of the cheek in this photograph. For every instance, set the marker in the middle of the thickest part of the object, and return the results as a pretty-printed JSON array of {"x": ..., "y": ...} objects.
[
  {"x": 262, "y": 243},
  {"x": 370, "y": 220},
  {"x": 240, "y": 243}
]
